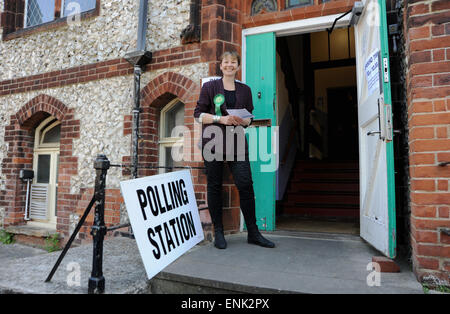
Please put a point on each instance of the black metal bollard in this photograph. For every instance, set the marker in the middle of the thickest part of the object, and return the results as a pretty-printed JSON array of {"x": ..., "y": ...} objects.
[{"x": 98, "y": 230}]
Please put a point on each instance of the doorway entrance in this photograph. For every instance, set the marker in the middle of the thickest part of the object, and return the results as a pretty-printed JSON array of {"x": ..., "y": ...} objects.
[
  {"x": 318, "y": 177},
  {"x": 309, "y": 132}
]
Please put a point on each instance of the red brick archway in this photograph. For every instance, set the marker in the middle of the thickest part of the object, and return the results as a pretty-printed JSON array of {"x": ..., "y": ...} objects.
[
  {"x": 157, "y": 93},
  {"x": 154, "y": 96},
  {"x": 19, "y": 135}
]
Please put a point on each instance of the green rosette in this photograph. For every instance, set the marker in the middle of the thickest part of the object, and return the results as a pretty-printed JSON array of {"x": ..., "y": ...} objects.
[{"x": 219, "y": 99}]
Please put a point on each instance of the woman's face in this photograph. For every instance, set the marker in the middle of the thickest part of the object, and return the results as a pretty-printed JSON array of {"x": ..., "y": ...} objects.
[{"x": 229, "y": 66}]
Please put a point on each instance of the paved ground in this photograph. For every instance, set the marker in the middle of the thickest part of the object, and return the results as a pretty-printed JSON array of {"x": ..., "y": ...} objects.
[
  {"x": 301, "y": 263},
  {"x": 122, "y": 268},
  {"x": 13, "y": 251}
]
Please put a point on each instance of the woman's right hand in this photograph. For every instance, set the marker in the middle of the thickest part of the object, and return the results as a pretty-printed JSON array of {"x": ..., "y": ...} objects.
[{"x": 230, "y": 120}]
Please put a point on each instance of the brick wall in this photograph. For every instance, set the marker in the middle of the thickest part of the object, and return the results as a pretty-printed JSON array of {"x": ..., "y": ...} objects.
[
  {"x": 221, "y": 22},
  {"x": 427, "y": 36}
]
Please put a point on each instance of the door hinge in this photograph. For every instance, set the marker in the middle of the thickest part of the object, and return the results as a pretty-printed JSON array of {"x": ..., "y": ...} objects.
[{"x": 274, "y": 102}]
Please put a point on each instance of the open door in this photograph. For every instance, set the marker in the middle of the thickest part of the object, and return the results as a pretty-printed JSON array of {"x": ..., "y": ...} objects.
[
  {"x": 377, "y": 192},
  {"x": 262, "y": 134}
]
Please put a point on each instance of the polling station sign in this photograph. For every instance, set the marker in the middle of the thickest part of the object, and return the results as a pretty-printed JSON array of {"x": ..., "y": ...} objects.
[{"x": 164, "y": 216}]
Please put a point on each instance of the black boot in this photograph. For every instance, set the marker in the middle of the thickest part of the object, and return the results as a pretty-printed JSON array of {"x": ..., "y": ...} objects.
[
  {"x": 255, "y": 237},
  {"x": 219, "y": 239}
]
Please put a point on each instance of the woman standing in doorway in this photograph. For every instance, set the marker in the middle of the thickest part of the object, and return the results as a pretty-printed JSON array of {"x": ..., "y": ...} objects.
[{"x": 216, "y": 97}]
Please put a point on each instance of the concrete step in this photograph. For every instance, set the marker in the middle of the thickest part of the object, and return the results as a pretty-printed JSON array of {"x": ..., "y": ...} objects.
[
  {"x": 310, "y": 164},
  {"x": 301, "y": 175},
  {"x": 170, "y": 283},
  {"x": 322, "y": 198},
  {"x": 320, "y": 212}
]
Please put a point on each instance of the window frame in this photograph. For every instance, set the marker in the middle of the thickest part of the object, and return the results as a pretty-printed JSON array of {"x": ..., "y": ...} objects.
[
  {"x": 165, "y": 142},
  {"x": 14, "y": 29},
  {"x": 58, "y": 12},
  {"x": 25, "y": 14},
  {"x": 41, "y": 130},
  {"x": 288, "y": 7}
]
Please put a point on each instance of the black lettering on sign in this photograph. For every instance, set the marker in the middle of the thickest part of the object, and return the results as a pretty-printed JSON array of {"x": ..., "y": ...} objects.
[
  {"x": 172, "y": 223},
  {"x": 168, "y": 237},
  {"x": 142, "y": 202},
  {"x": 168, "y": 206},
  {"x": 179, "y": 229},
  {"x": 182, "y": 187},
  {"x": 184, "y": 226},
  {"x": 171, "y": 195},
  {"x": 151, "y": 234},
  {"x": 162, "y": 209},
  {"x": 191, "y": 225},
  {"x": 152, "y": 201},
  {"x": 177, "y": 193},
  {"x": 158, "y": 229}
]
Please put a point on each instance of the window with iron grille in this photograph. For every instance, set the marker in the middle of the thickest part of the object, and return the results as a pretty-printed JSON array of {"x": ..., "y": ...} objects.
[
  {"x": 298, "y": 3},
  {"x": 43, "y": 11}
]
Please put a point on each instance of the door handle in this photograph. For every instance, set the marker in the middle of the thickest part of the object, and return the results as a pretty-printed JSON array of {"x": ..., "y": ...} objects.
[{"x": 381, "y": 121}]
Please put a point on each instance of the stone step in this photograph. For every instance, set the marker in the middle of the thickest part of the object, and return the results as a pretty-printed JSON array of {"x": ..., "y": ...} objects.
[{"x": 170, "y": 283}]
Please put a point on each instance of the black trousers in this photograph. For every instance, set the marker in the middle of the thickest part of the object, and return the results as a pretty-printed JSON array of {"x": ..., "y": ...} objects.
[{"x": 242, "y": 177}]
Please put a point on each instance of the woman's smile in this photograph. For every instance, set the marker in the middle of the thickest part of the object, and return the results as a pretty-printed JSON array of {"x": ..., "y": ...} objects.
[{"x": 229, "y": 66}]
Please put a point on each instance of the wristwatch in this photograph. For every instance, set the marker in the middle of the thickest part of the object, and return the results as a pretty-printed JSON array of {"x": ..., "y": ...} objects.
[{"x": 216, "y": 119}]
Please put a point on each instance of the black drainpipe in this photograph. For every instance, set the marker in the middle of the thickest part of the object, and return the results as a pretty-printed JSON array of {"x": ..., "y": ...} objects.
[{"x": 139, "y": 59}]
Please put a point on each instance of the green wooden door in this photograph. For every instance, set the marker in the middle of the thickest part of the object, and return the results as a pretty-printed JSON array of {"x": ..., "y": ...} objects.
[{"x": 261, "y": 77}]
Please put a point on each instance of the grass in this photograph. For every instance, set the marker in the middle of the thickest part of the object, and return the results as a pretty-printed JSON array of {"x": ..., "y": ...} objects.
[
  {"x": 52, "y": 243},
  {"x": 440, "y": 288},
  {"x": 5, "y": 237}
]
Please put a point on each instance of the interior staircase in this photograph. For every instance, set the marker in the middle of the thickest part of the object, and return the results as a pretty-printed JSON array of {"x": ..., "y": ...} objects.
[{"x": 323, "y": 189}]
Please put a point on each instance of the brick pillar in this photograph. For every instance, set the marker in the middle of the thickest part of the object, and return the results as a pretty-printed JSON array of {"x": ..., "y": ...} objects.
[
  {"x": 221, "y": 24},
  {"x": 221, "y": 30},
  {"x": 19, "y": 156},
  {"x": 427, "y": 36},
  {"x": 12, "y": 17}
]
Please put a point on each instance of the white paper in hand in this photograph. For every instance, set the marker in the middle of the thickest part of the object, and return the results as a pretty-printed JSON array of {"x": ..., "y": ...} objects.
[{"x": 241, "y": 113}]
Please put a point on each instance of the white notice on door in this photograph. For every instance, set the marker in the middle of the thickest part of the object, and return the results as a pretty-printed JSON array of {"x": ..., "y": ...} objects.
[{"x": 372, "y": 70}]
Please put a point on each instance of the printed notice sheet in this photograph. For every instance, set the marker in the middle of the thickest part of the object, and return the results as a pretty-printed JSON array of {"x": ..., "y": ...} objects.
[{"x": 241, "y": 113}]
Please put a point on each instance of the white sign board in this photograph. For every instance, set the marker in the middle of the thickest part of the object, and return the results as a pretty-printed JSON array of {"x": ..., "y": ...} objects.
[
  {"x": 164, "y": 216},
  {"x": 372, "y": 69}
]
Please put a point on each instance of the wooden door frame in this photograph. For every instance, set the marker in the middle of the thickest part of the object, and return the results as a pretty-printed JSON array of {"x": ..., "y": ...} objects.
[{"x": 304, "y": 26}]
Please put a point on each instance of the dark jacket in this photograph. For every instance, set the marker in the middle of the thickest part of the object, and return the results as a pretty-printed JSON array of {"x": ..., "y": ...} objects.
[{"x": 205, "y": 104}]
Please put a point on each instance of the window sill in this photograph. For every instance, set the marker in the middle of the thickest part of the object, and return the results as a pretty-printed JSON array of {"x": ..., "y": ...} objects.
[
  {"x": 61, "y": 22},
  {"x": 33, "y": 230}
]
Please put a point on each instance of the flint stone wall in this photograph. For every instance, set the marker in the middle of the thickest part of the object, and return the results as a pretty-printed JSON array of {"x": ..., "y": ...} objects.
[
  {"x": 100, "y": 106},
  {"x": 108, "y": 36}
]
